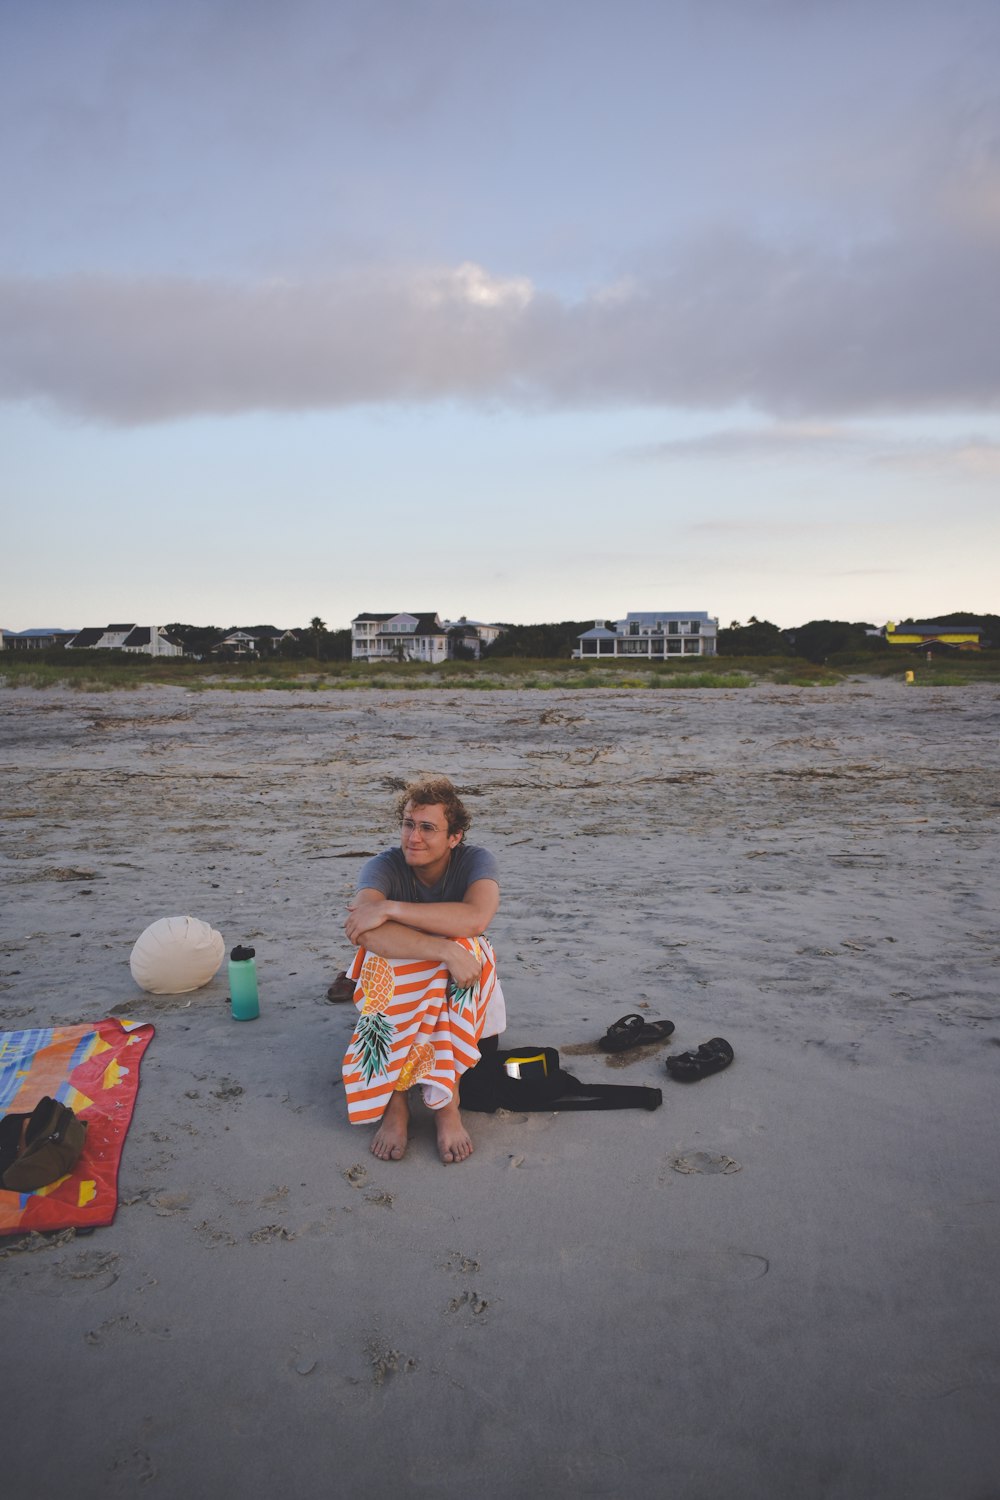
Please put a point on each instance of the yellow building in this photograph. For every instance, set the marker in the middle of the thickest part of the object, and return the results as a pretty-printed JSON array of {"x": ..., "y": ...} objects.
[{"x": 962, "y": 637}]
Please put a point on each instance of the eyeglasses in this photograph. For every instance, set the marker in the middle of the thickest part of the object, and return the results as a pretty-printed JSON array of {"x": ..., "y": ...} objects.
[{"x": 409, "y": 827}]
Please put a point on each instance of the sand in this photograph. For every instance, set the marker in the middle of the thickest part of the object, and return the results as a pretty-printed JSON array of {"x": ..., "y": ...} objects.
[{"x": 783, "y": 1283}]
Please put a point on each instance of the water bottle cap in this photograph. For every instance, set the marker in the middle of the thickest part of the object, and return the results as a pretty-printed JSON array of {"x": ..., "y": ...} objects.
[{"x": 240, "y": 954}]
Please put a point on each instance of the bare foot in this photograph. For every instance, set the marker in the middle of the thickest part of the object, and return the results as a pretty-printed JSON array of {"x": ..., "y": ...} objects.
[
  {"x": 393, "y": 1131},
  {"x": 454, "y": 1141}
]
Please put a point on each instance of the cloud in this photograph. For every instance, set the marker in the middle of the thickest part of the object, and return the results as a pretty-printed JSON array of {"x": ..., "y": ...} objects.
[
  {"x": 738, "y": 527},
  {"x": 974, "y": 458},
  {"x": 902, "y": 325},
  {"x": 865, "y": 573},
  {"x": 779, "y": 440},
  {"x": 971, "y": 458}
]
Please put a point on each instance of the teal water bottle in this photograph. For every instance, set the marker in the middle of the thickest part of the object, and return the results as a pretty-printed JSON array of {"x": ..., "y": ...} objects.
[{"x": 243, "y": 984}]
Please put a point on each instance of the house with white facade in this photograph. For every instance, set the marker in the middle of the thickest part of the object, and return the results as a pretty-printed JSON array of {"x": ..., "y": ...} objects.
[
  {"x": 400, "y": 637},
  {"x": 260, "y": 641},
  {"x": 416, "y": 637},
  {"x": 473, "y": 635},
  {"x": 151, "y": 640},
  {"x": 651, "y": 635},
  {"x": 143, "y": 640},
  {"x": 238, "y": 642}
]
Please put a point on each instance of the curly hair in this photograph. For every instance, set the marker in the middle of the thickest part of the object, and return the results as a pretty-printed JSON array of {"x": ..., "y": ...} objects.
[{"x": 429, "y": 791}]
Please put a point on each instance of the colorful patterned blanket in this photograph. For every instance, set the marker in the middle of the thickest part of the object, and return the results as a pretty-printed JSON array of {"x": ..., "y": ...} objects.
[
  {"x": 414, "y": 1027},
  {"x": 94, "y": 1069}
]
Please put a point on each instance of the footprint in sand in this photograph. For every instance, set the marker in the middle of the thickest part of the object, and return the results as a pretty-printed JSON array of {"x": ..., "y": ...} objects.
[
  {"x": 133, "y": 1468},
  {"x": 268, "y": 1232},
  {"x": 88, "y": 1270},
  {"x": 470, "y": 1300},
  {"x": 381, "y": 1200},
  {"x": 705, "y": 1163},
  {"x": 276, "y": 1195},
  {"x": 123, "y": 1324},
  {"x": 465, "y": 1265},
  {"x": 169, "y": 1203},
  {"x": 385, "y": 1361},
  {"x": 228, "y": 1089},
  {"x": 214, "y": 1236}
]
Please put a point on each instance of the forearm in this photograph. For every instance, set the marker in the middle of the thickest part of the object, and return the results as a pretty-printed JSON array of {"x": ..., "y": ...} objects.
[
  {"x": 439, "y": 919},
  {"x": 393, "y": 940}
]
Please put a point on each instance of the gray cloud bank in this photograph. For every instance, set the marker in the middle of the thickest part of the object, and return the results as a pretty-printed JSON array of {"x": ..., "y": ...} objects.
[{"x": 896, "y": 327}]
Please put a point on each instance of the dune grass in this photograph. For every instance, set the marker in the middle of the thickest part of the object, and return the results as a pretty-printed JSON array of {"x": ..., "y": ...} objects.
[{"x": 99, "y": 672}]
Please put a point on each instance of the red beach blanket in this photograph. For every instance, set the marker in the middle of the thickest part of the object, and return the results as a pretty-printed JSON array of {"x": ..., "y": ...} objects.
[{"x": 94, "y": 1069}]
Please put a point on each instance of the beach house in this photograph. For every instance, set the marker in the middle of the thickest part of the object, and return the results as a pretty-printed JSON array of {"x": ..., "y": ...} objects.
[
  {"x": 34, "y": 640},
  {"x": 927, "y": 634},
  {"x": 399, "y": 637},
  {"x": 416, "y": 637},
  {"x": 651, "y": 635},
  {"x": 144, "y": 640},
  {"x": 470, "y": 635}
]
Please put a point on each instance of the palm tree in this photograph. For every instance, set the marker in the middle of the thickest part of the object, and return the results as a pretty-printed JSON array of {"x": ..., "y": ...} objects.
[{"x": 318, "y": 628}]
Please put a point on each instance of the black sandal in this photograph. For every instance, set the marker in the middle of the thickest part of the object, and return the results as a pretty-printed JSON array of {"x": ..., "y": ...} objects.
[
  {"x": 711, "y": 1057},
  {"x": 634, "y": 1031}
]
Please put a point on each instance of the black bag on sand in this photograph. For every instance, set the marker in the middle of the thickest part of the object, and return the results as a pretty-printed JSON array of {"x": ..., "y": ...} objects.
[
  {"x": 39, "y": 1148},
  {"x": 531, "y": 1078}
]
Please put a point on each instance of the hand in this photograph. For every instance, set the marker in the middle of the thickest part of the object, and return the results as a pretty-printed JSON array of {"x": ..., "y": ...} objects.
[
  {"x": 463, "y": 966},
  {"x": 364, "y": 914}
]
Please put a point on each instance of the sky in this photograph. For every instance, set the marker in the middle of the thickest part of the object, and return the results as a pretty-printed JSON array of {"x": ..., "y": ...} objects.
[{"x": 532, "y": 311}]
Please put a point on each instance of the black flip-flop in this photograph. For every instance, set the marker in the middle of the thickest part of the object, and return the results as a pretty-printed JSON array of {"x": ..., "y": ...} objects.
[
  {"x": 711, "y": 1057},
  {"x": 634, "y": 1031}
]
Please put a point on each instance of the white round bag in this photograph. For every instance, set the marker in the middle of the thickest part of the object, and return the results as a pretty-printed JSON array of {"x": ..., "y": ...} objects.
[{"x": 175, "y": 955}]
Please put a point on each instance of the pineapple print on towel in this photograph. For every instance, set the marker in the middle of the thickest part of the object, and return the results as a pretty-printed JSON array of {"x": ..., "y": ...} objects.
[
  {"x": 373, "y": 1034},
  {"x": 415, "y": 1027},
  {"x": 419, "y": 1062},
  {"x": 460, "y": 998}
]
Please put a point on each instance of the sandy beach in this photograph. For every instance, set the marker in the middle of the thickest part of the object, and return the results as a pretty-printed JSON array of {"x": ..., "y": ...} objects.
[{"x": 780, "y": 1285}]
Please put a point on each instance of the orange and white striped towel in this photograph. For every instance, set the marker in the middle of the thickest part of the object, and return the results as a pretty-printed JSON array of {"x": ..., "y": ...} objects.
[{"x": 415, "y": 1026}]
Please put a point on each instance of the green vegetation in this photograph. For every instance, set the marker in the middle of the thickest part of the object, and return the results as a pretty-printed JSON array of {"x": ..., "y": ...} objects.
[
  {"x": 820, "y": 653},
  {"x": 538, "y": 642},
  {"x": 755, "y": 638},
  {"x": 103, "y": 671},
  {"x": 817, "y": 641}
]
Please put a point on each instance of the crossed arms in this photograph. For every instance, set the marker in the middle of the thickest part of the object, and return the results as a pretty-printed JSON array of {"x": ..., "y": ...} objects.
[{"x": 417, "y": 929}]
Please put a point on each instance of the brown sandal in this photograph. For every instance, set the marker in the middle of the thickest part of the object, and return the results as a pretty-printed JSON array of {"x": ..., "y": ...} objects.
[{"x": 341, "y": 989}]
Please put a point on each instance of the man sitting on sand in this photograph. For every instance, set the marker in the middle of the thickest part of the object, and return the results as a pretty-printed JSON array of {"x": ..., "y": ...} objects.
[{"x": 427, "y": 988}]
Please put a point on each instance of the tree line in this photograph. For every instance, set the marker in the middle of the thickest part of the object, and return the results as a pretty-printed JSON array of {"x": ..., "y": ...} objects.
[
  {"x": 816, "y": 640},
  {"x": 823, "y": 640},
  {"x": 312, "y": 641}
]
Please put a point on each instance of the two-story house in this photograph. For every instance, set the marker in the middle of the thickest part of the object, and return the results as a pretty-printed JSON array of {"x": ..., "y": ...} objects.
[
  {"x": 399, "y": 637},
  {"x": 416, "y": 637},
  {"x": 472, "y": 635},
  {"x": 652, "y": 635}
]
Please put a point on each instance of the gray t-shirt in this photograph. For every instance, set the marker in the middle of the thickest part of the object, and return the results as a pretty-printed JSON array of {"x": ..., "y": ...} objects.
[{"x": 389, "y": 873}]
